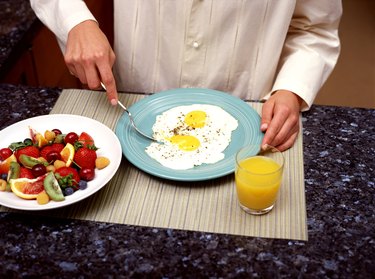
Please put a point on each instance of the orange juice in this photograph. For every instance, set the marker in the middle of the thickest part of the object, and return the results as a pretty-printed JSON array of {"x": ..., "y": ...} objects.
[{"x": 258, "y": 181}]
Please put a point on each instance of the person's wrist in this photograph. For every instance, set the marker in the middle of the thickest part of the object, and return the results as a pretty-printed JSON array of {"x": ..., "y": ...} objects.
[
  {"x": 298, "y": 99},
  {"x": 88, "y": 23}
]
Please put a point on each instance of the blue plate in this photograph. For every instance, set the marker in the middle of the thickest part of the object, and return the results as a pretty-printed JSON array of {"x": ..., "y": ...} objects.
[{"x": 145, "y": 112}]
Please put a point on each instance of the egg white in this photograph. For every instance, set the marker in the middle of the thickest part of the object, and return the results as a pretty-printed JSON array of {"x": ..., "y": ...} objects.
[{"x": 214, "y": 136}]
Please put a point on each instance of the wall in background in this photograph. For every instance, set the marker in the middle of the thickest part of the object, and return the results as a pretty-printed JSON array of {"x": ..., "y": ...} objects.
[{"x": 352, "y": 82}]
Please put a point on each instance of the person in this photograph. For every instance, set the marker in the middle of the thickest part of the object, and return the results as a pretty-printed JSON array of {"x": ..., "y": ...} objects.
[{"x": 278, "y": 51}]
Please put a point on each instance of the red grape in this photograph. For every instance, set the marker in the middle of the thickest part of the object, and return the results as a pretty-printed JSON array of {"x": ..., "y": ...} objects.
[
  {"x": 38, "y": 170},
  {"x": 5, "y": 153},
  {"x": 87, "y": 174},
  {"x": 52, "y": 156},
  {"x": 71, "y": 138},
  {"x": 57, "y": 131}
]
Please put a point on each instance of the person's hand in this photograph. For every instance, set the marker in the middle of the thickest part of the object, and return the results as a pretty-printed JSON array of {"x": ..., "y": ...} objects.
[
  {"x": 90, "y": 58},
  {"x": 280, "y": 119}
]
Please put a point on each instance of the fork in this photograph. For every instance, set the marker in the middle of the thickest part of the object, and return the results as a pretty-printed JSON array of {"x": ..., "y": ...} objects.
[{"x": 131, "y": 118}]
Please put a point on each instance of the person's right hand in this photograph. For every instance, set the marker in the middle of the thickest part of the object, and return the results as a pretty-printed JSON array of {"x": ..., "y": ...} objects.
[{"x": 90, "y": 58}]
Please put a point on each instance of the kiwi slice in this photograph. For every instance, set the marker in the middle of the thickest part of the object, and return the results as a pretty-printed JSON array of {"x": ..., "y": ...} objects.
[
  {"x": 29, "y": 162},
  {"x": 14, "y": 171},
  {"x": 52, "y": 188}
]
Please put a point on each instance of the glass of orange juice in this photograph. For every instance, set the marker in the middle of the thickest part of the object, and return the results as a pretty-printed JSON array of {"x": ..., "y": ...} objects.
[{"x": 258, "y": 178}]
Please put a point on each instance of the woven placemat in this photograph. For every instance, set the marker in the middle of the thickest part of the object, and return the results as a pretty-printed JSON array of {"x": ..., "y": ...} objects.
[{"x": 135, "y": 198}]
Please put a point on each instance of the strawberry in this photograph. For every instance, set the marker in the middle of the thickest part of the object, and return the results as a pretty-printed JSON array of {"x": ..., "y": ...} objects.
[
  {"x": 26, "y": 173},
  {"x": 85, "y": 158},
  {"x": 67, "y": 177},
  {"x": 57, "y": 147},
  {"x": 85, "y": 139},
  {"x": 45, "y": 150},
  {"x": 31, "y": 151}
]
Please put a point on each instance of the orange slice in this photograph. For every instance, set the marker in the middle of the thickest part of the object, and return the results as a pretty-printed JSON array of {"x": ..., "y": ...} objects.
[
  {"x": 41, "y": 140},
  {"x": 67, "y": 154},
  {"x": 4, "y": 165},
  {"x": 27, "y": 188}
]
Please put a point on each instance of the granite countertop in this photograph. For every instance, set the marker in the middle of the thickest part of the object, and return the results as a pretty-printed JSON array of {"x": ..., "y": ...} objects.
[
  {"x": 17, "y": 24},
  {"x": 340, "y": 189}
]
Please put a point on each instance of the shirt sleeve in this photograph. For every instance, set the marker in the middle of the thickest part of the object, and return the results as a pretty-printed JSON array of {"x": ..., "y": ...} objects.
[
  {"x": 311, "y": 48},
  {"x": 60, "y": 16}
]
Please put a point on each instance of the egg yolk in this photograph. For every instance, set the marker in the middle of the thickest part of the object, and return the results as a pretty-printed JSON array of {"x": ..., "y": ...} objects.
[
  {"x": 196, "y": 119},
  {"x": 185, "y": 142}
]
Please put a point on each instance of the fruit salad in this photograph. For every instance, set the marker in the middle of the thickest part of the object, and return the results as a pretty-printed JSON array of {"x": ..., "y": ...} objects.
[{"x": 49, "y": 166}]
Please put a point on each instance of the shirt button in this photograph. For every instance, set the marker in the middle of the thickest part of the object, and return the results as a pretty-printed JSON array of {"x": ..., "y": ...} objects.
[{"x": 195, "y": 44}]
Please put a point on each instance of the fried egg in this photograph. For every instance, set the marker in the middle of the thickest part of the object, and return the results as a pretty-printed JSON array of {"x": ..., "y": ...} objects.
[{"x": 191, "y": 135}]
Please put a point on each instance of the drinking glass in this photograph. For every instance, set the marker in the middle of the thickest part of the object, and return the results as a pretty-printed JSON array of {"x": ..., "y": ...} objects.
[{"x": 258, "y": 176}]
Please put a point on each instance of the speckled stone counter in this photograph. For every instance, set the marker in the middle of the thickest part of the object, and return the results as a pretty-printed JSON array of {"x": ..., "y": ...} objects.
[
  {"x": 17, "y": 23},
  {"x": 339, "y": 154}
]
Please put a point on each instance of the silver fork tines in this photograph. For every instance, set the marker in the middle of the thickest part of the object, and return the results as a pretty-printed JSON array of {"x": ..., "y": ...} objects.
[{"x": 131, "y": 118}]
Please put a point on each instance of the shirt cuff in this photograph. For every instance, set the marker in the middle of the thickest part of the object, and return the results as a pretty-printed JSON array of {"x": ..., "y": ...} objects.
[
  {"x": 297, "y": 88},
  {"x": 71, "y": 21}
]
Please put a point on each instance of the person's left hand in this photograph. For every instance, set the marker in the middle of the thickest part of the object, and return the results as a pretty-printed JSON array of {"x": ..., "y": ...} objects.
[{"x": 280, "y": 119}]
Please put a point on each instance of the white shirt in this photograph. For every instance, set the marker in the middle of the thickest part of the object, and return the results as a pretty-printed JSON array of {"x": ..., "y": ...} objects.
[{"x": 248, "y": 48}]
